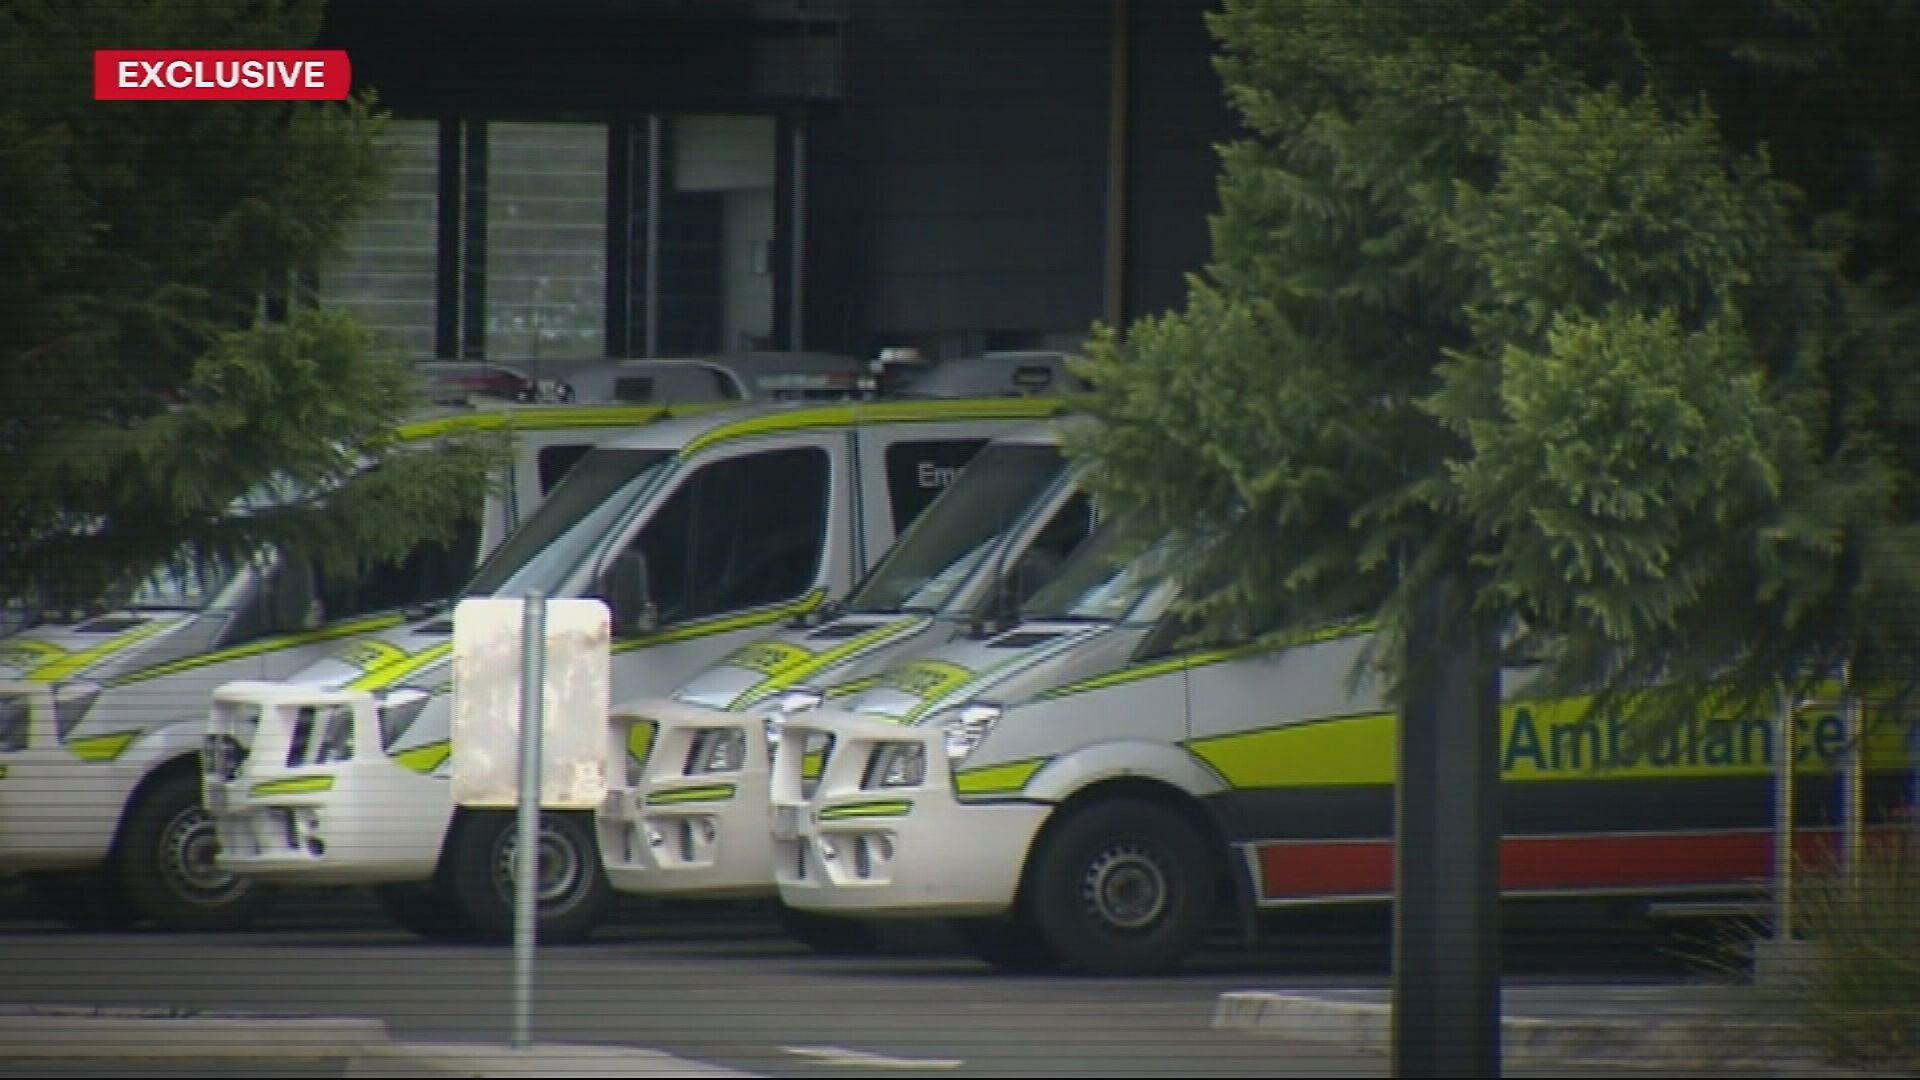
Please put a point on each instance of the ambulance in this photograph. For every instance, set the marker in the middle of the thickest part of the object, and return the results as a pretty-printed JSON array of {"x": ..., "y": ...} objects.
[
  {"x": 691, "y": 818},
  {"x": 1082, "y": 791},
  {"x": 103, "y": 707},
  {"x": 700, "y": 533}
]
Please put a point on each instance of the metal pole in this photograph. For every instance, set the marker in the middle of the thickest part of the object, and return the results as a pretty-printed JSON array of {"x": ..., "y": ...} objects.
[
  {"x": 1854, "y": 785},
  {"x": 526, "y": 855},
  {"x": 1783, "y": 825}
]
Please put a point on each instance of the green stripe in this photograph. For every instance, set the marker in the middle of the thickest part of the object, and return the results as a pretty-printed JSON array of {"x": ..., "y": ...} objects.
[
  {"x": 883, "y": 413},
  {"x": 1207, "y": 658},
  {"x": 258, "y": 648},
  {"x": 725, "y": 624},
  {"x": 386, "y": 675},
  {"x": 426, "y": 757},
  {"x": 877, "y": 809},
  {"x": 1008, "y": 779},
  {"x": 851, "y": 686},
  {"x": 707, "y": 793},
  {"x": 61, "y": 664},
  {"x": 97, "y": 748},
  {"x": 293, "y": 785}
]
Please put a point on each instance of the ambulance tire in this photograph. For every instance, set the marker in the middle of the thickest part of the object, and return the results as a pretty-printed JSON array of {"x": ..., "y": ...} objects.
[
  {"x": 91, "y": 902},
  {"x": 1014, "y": 944},
  {"x": 830, "y": 935},
  {"x": 572, "y": 890},
  {"x": 1123, "y": 887},
  {"x": 165, "y": 861},
  {"x": 426, "y": 911}
]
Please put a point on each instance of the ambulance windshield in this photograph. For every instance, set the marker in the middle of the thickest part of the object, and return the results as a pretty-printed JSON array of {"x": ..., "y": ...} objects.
[
  {"x": 951, "y": 538},
  {"x": 570, "y": 522},
  {"x": 1094, "y": 585}
]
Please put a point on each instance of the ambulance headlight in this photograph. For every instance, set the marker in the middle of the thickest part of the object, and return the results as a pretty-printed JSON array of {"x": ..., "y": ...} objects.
[
  {"x": 72, "y": 701},
  {"x": 717, "y": 750},
  {"x": 398, "y": 709},
  {"x": 966, "y": 726},
  {"x": 897, "y": 765}
]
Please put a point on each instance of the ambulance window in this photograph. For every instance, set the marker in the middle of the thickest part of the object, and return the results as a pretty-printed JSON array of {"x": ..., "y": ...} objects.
[
  {"x": 433, "y": 570},
  {"x": 554, "y": 461},
  {"x": 917, "y": 472},
  {"x": 740, "y": 533},
  {"x": 1045, "y": 557}
]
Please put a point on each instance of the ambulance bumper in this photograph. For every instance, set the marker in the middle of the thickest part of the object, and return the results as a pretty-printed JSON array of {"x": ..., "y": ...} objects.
[
  {"x": 691, "y": 818},
  {"x": 310, "y": 803},
  {"x": 867, "y": 843}
]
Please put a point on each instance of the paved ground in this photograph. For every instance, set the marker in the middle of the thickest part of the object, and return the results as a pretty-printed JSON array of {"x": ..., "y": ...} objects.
[{"x": 731, "y": 993}]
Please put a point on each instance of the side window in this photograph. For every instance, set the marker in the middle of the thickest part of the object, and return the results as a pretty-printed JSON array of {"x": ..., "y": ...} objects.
[
  {"x": 1056, "y": 540},
  {"x": 432, "y": 571},
  {"x": 739, "y": 533},
  {"x": 917, "y": 472},
  {"x": 554, "y": 461}
]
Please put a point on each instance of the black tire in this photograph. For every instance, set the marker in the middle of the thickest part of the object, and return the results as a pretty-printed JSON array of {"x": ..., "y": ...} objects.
[
  {"x": 165, "y": 862},
  {"x": 573, "y": 893},
  {"x": 93, "y": 902},
  {"x": 1012, "y": 944},
  {"x": 831, "y": 935},
  {"x": 1123, "y": 887},
  {"x": 427, "y": 911}
]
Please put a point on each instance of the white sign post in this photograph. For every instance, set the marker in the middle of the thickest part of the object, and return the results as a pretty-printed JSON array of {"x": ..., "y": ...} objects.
[{"x": 525, "y": 751}]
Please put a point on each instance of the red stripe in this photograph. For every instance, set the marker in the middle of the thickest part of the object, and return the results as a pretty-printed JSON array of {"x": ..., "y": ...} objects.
[{"x": 1600, "y": 861}]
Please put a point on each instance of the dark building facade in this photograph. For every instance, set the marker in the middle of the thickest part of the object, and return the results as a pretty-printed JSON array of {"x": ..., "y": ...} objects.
[{"x": 580, "y": 178}]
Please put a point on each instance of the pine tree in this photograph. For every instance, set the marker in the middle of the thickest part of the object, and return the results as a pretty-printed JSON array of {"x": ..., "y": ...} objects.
[
  {"x": 1513, "y": 327},
  {"x": 161, "y": 353}
]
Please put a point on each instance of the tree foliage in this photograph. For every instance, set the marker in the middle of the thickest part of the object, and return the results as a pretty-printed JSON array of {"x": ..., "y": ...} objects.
[
  {"x": 1520, "y": 294},
  {"x": 161, "y": 354}
]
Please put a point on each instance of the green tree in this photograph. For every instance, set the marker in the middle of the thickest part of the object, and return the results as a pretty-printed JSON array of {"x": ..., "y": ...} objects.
[
  {"x": 160, "y": 353},
  {"x": 1511, "y": 312}
]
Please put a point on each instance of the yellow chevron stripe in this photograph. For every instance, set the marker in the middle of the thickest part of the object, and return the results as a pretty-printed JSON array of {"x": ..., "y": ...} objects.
[
  {"x": 876, "y": 809},
  {"x": 812, "y": 664},
  {"x": 390, "y": 673},
  {"x": 704, "y": 793},
  {"x": 57, "y": 664}
]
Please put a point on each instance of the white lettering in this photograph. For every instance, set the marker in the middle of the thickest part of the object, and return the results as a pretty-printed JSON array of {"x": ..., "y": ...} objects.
[
  {"x": 932, "y": 476},
  {"x": 176, "y": 78},
  {"x": 316, "y": 74},
  {"x": 226, "y": 74},
  {"x": 129, "y": 69},
  {"x": 152, "y": 70}
]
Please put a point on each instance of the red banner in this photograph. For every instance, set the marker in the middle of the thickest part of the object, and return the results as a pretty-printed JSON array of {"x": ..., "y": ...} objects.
[{"x": 221, "y": 75}]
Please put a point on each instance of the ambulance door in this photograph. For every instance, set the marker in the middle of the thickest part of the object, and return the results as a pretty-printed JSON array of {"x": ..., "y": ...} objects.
[
  {"x": 1308, "y": 767},
  {"x": 748, "y": 537}
]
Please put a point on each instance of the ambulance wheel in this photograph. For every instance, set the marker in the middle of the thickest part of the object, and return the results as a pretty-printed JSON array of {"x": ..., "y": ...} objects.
[
  {"x": 570, "y": 889},
  {"x": 1123, "y": 887},
  {"x": 428, "y": 911},
  {"x": 92, "y": 902},
  {"x": 1013, "y": 944},
  {"x": 166, "y": 861},
  {"x": 830, "y": 935}
]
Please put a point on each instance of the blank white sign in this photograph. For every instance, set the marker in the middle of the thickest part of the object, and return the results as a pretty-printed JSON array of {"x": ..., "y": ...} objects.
[{"x": 578, "y": 692}]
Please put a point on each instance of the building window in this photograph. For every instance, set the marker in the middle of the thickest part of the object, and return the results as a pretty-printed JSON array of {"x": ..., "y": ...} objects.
[
  {"x": 706, "y": 261},
  {"x": 546, "y": 240},
  {"x": 387, "y": 275}
]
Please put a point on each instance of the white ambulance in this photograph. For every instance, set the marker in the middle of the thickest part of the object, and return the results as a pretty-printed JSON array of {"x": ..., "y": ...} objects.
[
  {"x": 691, "y": 818},
  {"x": 1078, "y": 791},
  {"x": 103, "y": 708},
  {"x": 700, "y": 533}
]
